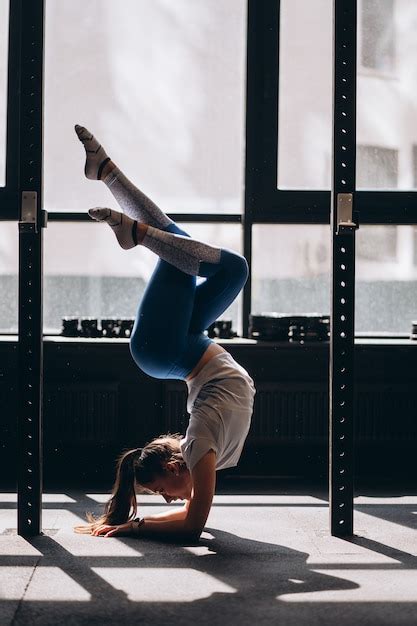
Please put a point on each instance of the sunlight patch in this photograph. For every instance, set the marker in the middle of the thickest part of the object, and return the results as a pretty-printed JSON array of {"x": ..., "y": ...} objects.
[
  {"x": 163, "y": 584},
  {"x": 199, "y": 550},
  {"x": 357, "y": 586},
  {"x": 48, "y": 584},
  {"x": 47, "y": 498}
]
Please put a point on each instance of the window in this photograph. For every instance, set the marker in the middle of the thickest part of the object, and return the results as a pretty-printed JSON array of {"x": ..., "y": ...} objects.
[
  {"x": 161, "y": 84},
  {"x": 415, "y": 245},
  {"x": 386, "y": 102},
  {"x": 386, "y": 109},
  {"x": 4, "y": 41},
  {"x": 376, "y": 168},
  {"x": 305, "y": 95},
  {"x": 414, "y": 167},
  {"x": 103, "y": 281},
  {"x": 380, "y": 245},
  {"x": 163, "y": 87},
  {"x": 8, "y": 277},
  {"x": 386, "y": 279},
  {"x": 377, "y": 34},
  {"x": 291, "y": 269},
  {"x": 291, "y": 274}
]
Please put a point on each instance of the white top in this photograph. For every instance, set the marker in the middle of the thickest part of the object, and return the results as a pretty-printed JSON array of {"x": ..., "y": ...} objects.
[{"x": 220, "y": 403}]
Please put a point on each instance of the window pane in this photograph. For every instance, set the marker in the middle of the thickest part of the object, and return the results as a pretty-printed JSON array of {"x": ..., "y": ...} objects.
[
  {"x": 290, "y": 269},
  {"x": 4, "y": 49},
  {"x": 161, "y": 84},
  {"x": 376, "y": 167},
  {"x": 386, "y": 278},
  {"x": 102, "y": 280},
  {"x": 305, "y": 94},
  {"x": 9, "y": 261},
  {"x": 291, "y": 266},
  {"x": 377, "y": 33},
  {"x": 387, "y": 95}
]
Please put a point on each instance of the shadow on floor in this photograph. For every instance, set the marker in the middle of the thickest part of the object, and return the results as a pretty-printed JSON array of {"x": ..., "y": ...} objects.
[{"x": 254, "y": 574}]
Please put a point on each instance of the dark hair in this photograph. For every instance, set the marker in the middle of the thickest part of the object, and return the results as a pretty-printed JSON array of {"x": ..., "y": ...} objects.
[{"x": 136, "y": 467}]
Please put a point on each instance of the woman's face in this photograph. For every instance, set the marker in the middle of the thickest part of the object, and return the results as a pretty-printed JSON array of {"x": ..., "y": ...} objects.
[{"x": 174, "y": 484}]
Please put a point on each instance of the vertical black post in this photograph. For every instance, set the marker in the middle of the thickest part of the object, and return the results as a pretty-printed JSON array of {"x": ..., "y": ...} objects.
[
  {"x": 341, "y": 418},
  {"x": 261, "y": 121},
  {"x": 251, "y": 45},
  {"x": 30, "y": 269}
]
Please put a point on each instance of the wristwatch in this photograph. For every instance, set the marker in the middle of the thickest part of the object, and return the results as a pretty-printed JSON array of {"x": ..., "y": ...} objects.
[{"x": 138, "y": 522}]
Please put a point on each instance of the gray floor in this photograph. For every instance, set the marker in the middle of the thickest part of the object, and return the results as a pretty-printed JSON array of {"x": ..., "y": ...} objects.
[{"x": 264, "y": 559}]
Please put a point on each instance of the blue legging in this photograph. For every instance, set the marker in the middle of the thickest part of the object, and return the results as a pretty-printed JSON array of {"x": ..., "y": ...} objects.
[{"x": 168, "y": 337}]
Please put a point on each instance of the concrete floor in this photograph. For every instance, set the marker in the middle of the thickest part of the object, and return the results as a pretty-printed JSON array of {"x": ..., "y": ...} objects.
[{"x": 265, "y": 559}]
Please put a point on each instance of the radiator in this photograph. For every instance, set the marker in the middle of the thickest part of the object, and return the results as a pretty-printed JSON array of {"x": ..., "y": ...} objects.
[
  {"x": 288, "y": 412},
  {"x": 386, "y": 415},
  {"x": 81, "y": 413},
  {"x": 175, "y": 408},
  {"x": 298, "y": 412},
  {"x": 283, "y": 412}
]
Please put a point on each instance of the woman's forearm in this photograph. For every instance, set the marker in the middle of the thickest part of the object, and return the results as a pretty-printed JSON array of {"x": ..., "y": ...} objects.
[
  {"x": 165, "y": 529},
  {"x": 168, "y": 516}
]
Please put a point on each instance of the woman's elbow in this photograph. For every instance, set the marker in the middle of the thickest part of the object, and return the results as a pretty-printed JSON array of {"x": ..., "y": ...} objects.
[{"x": 192, "y": 531}]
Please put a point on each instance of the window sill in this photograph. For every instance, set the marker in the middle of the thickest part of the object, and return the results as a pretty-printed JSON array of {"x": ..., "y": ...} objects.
[{"x": 360, "y": 339}]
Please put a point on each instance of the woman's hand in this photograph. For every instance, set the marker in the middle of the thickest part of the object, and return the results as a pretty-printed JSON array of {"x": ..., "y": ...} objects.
[{"x": 109, "y": 531}]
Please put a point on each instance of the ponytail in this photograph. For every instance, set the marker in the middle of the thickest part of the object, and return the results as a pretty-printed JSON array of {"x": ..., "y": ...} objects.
[
  {"x": 122, "y": 505},
  {"x": 123, "y": 499}
]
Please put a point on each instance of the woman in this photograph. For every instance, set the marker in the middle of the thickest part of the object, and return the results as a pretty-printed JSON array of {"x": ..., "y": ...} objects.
[{"x": 168, "y": 341}]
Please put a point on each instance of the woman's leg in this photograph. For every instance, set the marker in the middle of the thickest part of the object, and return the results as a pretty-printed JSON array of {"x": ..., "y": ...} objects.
[
  {"x": 174, "y": 312},
  {"x": 160, "y": 343},
  {"x": 132, "y": 201},
  {"x": 216, "y": 294},
  {"x": 225, "y": 272},
  {"x": 168, "y": 339}
]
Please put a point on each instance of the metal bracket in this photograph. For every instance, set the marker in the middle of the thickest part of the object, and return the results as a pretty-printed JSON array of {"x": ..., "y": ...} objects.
[
  {"x": 345, "y": 223},
  {"x": 28, "y": 217}
]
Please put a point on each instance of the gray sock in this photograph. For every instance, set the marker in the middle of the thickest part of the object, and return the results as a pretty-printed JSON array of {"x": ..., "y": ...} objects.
[
  {"x": 133, "y": 202},
  {"x": 183, "y": 252},
  {"x": 123, "y": 227}
]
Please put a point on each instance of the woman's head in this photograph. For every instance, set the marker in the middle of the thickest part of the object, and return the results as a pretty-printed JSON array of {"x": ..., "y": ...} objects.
[{"x": 158, "y": 467}]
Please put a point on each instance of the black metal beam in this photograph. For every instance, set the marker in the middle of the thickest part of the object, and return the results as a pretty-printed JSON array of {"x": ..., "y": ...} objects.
[
  {"x": 9, "y": 197},
  {"x": 341, "y": 401},
  {"x": 30, "y": 270},
  {"x": 313, "y": 207},
  {"x": 374, "y": 207},
  {"x": 191, "y": 218},
  {"x": 261, "y": 103},
  {"x": 268, "y": 203},
  {"x": 254, "y": 149}
]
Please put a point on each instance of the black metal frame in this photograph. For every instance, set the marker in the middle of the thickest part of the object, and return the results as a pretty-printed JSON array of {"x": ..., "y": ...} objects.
[
  {"x": 30, "y": 14},
  {"x": 267, "y": 203},
  {"x": 264, "y": 203},
  {"x": 9, "y": 197},
  {"x": 343, "y": 225}
]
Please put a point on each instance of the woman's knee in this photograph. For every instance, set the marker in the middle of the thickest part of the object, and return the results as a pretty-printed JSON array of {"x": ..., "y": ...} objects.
[
  {"x": 237, "y": 264},
  {"x": 152, "y": 362},
  {"x": 152, "y": 354},
  {"x": 244, "y": 267},
  {"x": 140, "y": 348}
]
